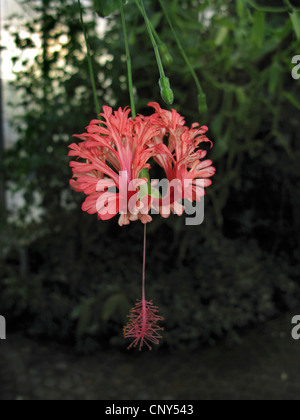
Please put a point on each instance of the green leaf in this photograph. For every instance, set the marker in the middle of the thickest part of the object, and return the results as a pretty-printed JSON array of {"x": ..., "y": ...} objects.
[
  {"x": 283, "y": 141},
  {"x": 292, "y": 100},
  {"x": 115, "y": 303},
  {"x": 259, "y": 27},
  {"x": 221, "y": 143},
  {"x": 240, "y": 8},
  {"x": 279, "y": 36},
  {"x": 274, "y": 77},
  {"x": 295, "y": 18},
  {"x": 221, "y": 148},
  {"x": 156, "y": 18},
  {"x": 241, "y": 95},
  {"x": 85, "y": 314},
  {"x": 106, "y": 7},
  {"x": 221, "y": 36}
]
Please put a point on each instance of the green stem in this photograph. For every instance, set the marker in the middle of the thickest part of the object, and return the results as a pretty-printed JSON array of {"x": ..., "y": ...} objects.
[
  {"x": 89, "y": 57},
  {"x": 164, "y": 83},
  {"x": 141, "y": 6},
  {"x": 154, "y": 31},
  {"x": 185, "y": 57},
  {"x": 128, "y": 58},
  {"x": 188, "y": 63},
  {"x": 289, "y": 6}
]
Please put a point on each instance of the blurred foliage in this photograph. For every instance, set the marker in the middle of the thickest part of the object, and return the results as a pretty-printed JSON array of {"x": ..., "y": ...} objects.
[{"x": 69, "y": 277}]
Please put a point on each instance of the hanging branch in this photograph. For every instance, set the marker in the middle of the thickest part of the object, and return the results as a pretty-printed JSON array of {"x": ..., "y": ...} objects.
[
  {"x": 128, "y": 58},
  {"x": 165, "y": 87},
  {"x": 90, "y": 62},
  {"x": 201, "y": 94}
]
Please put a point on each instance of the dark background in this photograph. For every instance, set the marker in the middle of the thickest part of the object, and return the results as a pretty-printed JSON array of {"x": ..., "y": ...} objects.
[{"x": 67, "y": 278}]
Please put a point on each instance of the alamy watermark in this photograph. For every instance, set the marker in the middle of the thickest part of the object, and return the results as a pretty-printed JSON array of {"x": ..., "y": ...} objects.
[
  {"x": 296, "y": 69},
  {"x": 157, "y": 197},
  {"x": 296, "y": 329},
  {"x": 2, "y": 328}
]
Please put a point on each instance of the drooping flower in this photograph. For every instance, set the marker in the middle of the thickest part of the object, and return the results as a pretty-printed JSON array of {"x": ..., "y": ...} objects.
[
  {"x": 143, "y": 325},
  {"x": 113, "y": 145},
  {"x": 182, "y": 159},
  {"x": 113, "y": 153}
]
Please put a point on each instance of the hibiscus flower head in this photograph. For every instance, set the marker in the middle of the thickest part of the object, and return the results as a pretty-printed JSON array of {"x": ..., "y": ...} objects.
[
  {"x": 116, "y": 149},
  {"x": 181, "y": 158},
  {"x": 111, "y": 155}
]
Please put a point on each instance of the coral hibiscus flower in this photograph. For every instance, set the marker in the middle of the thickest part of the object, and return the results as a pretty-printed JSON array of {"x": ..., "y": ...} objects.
[
  {"x": 112, "y": 146},
  {"x": 181, "y": 159}
]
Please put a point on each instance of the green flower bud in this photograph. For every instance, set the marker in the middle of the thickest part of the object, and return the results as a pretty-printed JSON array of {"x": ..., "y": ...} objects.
[
  {"x": 166, "y": 56},
  {"x": 166, "y": 91}
]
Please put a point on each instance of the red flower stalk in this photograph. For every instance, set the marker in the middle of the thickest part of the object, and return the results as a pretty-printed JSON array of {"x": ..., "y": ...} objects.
[{"x": 143, "y": 319}]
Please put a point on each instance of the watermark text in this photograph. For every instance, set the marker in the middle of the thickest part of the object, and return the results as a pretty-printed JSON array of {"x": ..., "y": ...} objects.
[
  {"x": 156, "y": 197},
  {"x": 296, "y": 69},
  {"x": 296, "y": 329},
  {"x": 2, "y": 328}
]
